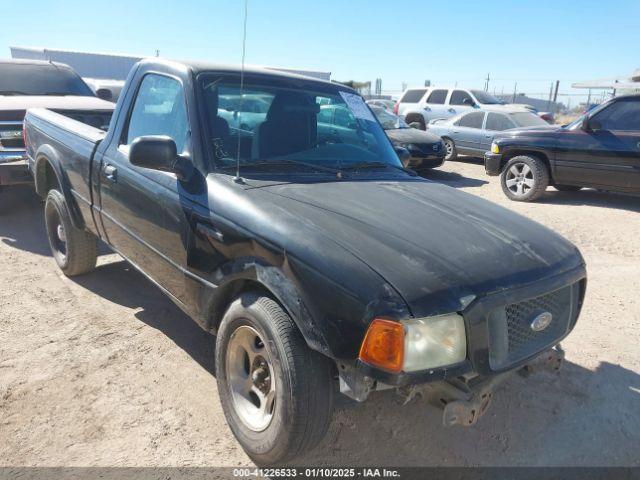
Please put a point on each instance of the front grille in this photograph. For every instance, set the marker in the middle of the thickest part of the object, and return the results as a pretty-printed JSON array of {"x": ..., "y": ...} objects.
[
  {"x": 511, "y": 336},
  {"x": 11, "y": 135}
]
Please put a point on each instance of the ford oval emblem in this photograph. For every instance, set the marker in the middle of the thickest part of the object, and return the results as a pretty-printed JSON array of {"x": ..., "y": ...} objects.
[{"x": 541, "y": 321}]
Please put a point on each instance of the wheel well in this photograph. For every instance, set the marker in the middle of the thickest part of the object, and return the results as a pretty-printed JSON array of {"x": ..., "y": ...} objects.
[
  {"x": 46, "y": 178},
  {"x": 539, "y": 155},
  {"x": 228, "y": 293},
  {"x": 414, "y": 117}
]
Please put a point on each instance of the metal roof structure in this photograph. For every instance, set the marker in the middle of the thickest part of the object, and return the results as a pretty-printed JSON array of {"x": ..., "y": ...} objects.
[
  {"x": 631, "y": 82},
  {"x": 113, "y": 66}
]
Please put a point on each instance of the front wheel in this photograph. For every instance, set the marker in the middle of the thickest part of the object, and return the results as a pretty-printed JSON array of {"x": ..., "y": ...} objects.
[
  {"x": 451, "y": 153},
  {"x": 276, "y": 393},
  {"x": 524, "y": 178},
  {"x": 74, "y": 250}
]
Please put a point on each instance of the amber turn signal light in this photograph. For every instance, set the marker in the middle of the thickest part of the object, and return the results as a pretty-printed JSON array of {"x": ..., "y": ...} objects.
[{"x": 383, "y": 345}]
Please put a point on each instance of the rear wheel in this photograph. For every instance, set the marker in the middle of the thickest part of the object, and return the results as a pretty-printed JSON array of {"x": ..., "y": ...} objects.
[
  {"x": 524, "y": 178},
  {"x": 276, "y": 393},
  {"x": 416, "y": 120},
  {"x": 450, "y": 149},
  {"x": 567, "y": 188},
  {"x": 74, "y": 250}
]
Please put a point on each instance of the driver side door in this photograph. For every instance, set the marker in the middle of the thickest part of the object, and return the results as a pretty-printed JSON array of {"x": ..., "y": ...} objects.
[{"x": 141, "y": 208}]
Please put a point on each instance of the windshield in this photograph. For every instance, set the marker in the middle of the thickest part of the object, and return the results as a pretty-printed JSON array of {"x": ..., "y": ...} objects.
[
  {"x": 26, "y": 79},
  {"x": 388, "y": 120},
  {"x": 526, "y": 119},
  {"x": 300, "y": 124},
  {"x": 486, "y": 99}
]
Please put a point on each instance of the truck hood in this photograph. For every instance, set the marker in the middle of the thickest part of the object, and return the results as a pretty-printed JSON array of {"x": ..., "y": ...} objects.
[
  {"x": 536, "y": 130},
  {"x": 18, "y": 104},
  {"x": 438, "y": 247},
  {"x": 411, "y": 135}
]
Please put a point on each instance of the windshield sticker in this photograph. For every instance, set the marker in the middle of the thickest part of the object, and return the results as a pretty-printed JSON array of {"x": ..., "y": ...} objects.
[{"x": 357, "y": 106}]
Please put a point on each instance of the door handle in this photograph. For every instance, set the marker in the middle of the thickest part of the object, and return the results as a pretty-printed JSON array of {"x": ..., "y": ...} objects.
[
  {"x": 452, "y": 110},
  {"x": 111, "y": 173}
]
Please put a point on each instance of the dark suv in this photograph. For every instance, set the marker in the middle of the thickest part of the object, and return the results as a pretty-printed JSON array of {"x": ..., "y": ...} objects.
[{"x": 600, "y": 150}]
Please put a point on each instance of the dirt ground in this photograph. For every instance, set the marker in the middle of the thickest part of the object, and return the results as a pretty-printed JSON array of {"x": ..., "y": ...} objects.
[{"x": 103, "y": 370}]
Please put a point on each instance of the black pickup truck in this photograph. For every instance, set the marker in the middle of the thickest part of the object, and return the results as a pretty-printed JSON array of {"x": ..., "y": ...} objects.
[
  {"x": 600, "y": 150},
  {"x": 321, "y": 264}
]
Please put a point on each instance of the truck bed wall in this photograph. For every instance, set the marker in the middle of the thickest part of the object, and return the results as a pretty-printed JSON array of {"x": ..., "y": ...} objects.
[{"x": 68, "y": 146}]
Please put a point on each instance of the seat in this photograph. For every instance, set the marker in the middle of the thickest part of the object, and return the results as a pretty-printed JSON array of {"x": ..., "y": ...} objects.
[
  {"x": 219, "y": 131},
  {"x": 290, "y": 126}
]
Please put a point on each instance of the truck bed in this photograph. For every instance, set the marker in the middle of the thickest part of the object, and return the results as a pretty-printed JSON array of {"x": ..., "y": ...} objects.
[{"x": 73, "y": 143}]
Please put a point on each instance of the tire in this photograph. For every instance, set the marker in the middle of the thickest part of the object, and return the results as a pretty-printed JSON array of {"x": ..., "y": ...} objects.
[
  {"x": 524, "y": 178},
  {"x": 75, "y": 251},
  {"x": 419, "y": 119},
  {"x": 276, "y": 426},
  {"x": 450, "y": 149},
  {"x": 567, "y": 188}
]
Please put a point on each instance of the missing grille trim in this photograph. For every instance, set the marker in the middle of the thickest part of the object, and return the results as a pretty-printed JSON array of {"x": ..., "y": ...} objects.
[{"x": 511, "y": 336}]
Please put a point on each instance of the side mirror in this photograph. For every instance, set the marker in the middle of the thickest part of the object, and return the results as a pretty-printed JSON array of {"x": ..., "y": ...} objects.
[
  {"x": 156, "y": 152},
  {"x": 416, "y": 125},
  {"x": 469, "y": 102},
  {"x": 590, "y": 124},
  {"x": 403, "y": 155},
  {"x": 352, "y": 125},
  {"x": 104, "y": 94}
]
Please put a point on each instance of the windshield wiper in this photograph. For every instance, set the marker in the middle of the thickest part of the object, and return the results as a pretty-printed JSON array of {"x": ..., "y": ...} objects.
[
  {"x": 12, "y": 92},
  {"x": 282, "y": 161},
  {"x": 372, "y": 165}
]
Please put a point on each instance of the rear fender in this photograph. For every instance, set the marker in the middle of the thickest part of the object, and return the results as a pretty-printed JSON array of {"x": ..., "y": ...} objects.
[{"x": 48, "y": 156}]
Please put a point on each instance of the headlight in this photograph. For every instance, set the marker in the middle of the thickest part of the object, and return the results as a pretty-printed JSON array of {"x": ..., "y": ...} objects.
[
  {"x": 495, "y": 148},
  {"x": 415, "y": 344},
  {"x": 434, "y": 342}
]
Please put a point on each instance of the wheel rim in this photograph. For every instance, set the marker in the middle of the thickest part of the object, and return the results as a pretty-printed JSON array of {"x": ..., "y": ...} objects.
[
  {"x": 448, "y": 146},
  {"x": 519, "y": 179},
  {"x": 58, "y": 234},
  {"x": 250, "y": 377}
]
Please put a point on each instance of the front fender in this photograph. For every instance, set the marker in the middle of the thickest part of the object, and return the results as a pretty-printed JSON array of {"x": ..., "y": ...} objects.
[{"x": 329, "y": 317}]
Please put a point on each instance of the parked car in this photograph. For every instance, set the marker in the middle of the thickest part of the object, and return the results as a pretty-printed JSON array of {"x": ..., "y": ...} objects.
[
  {"x": 601, "y": 150},
  {"x": 29, "y": 83},
  {"x": 426, "y": 150},
  {"x": 320, "y": 266},
  {"x": 422, "y": 105},
  {"x": 383, "y": 103},
  {"x": 471, "y": 133},
  {"x": 243, "y": 112}
]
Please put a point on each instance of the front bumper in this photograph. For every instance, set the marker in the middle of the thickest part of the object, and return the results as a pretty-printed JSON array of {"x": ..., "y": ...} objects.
[
  {"x": 493, "y": 163},
  {"x": 14, "y": 169},
  {"x": 482, "y": 344}
]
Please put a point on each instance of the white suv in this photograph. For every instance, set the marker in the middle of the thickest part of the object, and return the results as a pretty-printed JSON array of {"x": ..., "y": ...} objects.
[{"x": 421, "y": 105}]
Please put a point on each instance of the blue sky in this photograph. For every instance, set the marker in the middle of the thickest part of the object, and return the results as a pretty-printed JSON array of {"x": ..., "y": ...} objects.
[{"x": 531, "y": 42}]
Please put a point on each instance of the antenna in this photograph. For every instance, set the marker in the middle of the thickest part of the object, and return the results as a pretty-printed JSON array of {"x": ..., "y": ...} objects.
[{"x": 237, "y": 178}]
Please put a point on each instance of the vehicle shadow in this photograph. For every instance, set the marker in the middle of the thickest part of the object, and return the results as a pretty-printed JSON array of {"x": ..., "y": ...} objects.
[
  {"x": 577, "y": 417},
  {"x": 120, "y": 283},
  {"x": 22, "y": 220},
  {"x": 452, "y": 179},
  {"x": 592, "y": 198}
]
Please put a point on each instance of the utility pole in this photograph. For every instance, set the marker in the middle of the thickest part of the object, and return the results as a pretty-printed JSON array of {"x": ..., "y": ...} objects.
[
  {"x": 486, "y": 83},
  {"x": 157, "y": 52},
  {"x": 515, "y": 88},
  {"x": 555, "y": 95}
]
